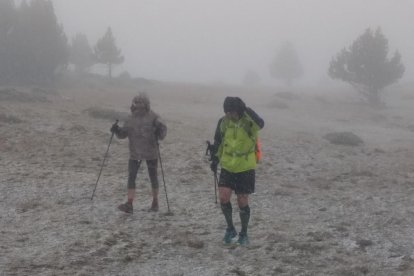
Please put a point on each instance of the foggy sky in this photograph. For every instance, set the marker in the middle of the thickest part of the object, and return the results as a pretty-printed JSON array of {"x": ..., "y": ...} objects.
[{"x": 219, "y": 40}]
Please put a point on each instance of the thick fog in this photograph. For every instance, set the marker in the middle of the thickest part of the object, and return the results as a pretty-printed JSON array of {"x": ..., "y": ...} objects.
[{"x": 219, "y": 41}]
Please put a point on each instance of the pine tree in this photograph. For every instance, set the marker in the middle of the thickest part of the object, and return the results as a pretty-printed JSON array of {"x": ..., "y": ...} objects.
[
  {"x": 286, "y": 65},
  {"x": 106, "y": 51},
  {"x": 36, "y": 44},
  {"x": 8, "y": 17},
  {"x": 366, "y": 67},
  {"x": 81, "y": 54}
]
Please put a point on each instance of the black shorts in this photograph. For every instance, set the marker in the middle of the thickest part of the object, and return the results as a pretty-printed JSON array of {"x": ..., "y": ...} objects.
[{"x": 240, "y": 183}]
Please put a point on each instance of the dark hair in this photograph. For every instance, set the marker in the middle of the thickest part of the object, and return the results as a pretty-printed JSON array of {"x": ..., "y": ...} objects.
[{"x": 234, "y": 104}]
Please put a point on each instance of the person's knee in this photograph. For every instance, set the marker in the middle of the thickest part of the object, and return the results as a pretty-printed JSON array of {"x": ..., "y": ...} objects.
[
  {"x": 152, "y": 171},
  {"x": 224, "y": 196},
  {"x": 224, "y": 200},
  {"x": 242, "y": 200},
  {"x": 152, "y": 164}
]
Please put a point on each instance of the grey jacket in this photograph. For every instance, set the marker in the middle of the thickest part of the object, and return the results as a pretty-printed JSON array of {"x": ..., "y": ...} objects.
[{"x": 143, "y": 131}]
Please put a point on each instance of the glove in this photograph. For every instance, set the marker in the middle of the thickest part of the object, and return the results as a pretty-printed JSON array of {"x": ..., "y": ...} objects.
[
  {"x": 115, "y": 128},
  {"x": 213, "y": 165},
  {"x": 159, "y": 134}
]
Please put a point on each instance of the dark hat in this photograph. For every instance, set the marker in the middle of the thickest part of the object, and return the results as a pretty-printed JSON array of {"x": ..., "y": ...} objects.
[{"x": 234, "y": 104}]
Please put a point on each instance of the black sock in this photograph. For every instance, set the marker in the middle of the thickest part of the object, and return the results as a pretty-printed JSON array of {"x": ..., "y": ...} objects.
[
  {"x": 228, "y": 214},
  {"x": 244, "y": 218}
]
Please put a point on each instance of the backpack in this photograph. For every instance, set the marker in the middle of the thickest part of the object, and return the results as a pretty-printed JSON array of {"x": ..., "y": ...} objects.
[{"x": 258, "y": 145}]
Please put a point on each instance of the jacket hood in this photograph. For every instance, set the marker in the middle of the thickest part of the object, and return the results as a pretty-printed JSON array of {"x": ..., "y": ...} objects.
[
  {"x": 140, "y": 104},
  {"x": 233, "y": 104}
]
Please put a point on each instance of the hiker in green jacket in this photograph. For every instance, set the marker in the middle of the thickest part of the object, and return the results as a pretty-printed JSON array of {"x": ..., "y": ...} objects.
[
  {"x": 234, "y": 149},
  {"x": 143, "y": 128}
]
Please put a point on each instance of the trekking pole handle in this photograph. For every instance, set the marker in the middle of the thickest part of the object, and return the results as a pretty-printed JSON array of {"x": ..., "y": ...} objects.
[{"x": 208, "y": 149}]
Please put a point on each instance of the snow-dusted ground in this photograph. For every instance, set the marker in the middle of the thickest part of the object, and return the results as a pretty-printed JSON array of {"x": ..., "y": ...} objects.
[{"x": 319, "y": 208}]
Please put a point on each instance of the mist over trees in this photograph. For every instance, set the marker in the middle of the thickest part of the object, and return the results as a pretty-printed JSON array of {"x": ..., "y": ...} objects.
[
  {"x": 106, "y": 51},
  {"x": 81, "y": 54},
  {"x": 33, "y": 46},
  {"x": 286, "y": 65},
  {"x": 365, "y": 65},
  {"x": 34, "y": 49},
  {"x": 8, "y": 19}
]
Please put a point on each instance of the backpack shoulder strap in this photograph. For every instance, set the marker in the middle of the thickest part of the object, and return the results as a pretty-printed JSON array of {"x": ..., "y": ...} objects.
[{"x": 223, "y": 126}]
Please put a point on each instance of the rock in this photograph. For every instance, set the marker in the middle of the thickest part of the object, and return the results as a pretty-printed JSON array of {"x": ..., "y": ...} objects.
[
  {"x": 362, "y": 243},
  {"x": 195, "y": 243},
  {"x": 238, "y": 271},
  {"x": 344, "y": 138}
]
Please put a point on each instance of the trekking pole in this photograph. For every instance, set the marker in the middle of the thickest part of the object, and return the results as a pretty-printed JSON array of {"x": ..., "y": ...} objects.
[
  {"x": 169, "y": 213},
  {"x": 209, "y": 153},
  {"x": 215, "y": 185},
  {"x": 103, "y": 162}
]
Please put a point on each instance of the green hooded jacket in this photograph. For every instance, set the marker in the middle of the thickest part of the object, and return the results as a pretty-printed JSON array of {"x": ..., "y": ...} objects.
[{"x": 236, "y": 152}]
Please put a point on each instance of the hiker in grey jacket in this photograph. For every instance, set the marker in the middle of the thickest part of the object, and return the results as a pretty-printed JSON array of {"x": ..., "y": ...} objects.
[{"x": 143, "y": 128}]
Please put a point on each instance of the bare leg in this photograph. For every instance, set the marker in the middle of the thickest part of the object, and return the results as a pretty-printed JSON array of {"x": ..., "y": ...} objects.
[
  {"x": 224, "y": 195},
  {"x": 131, "y": 195},
  {"x": 154, "y": 205},
  {"x": 242, "y": 200},
  {"x": 133, "y": 166},
  {"x": 127, "y": 207}
]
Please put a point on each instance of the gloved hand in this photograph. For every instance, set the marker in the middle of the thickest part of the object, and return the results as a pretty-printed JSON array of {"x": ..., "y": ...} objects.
[
  {"x": 213, "y": 165},
  {"x": 115, "y": 128},
  {"x": 158, "y": 135}
]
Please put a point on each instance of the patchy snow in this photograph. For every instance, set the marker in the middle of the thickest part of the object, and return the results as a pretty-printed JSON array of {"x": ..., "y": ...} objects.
[{"x": 319, "y": 208}]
